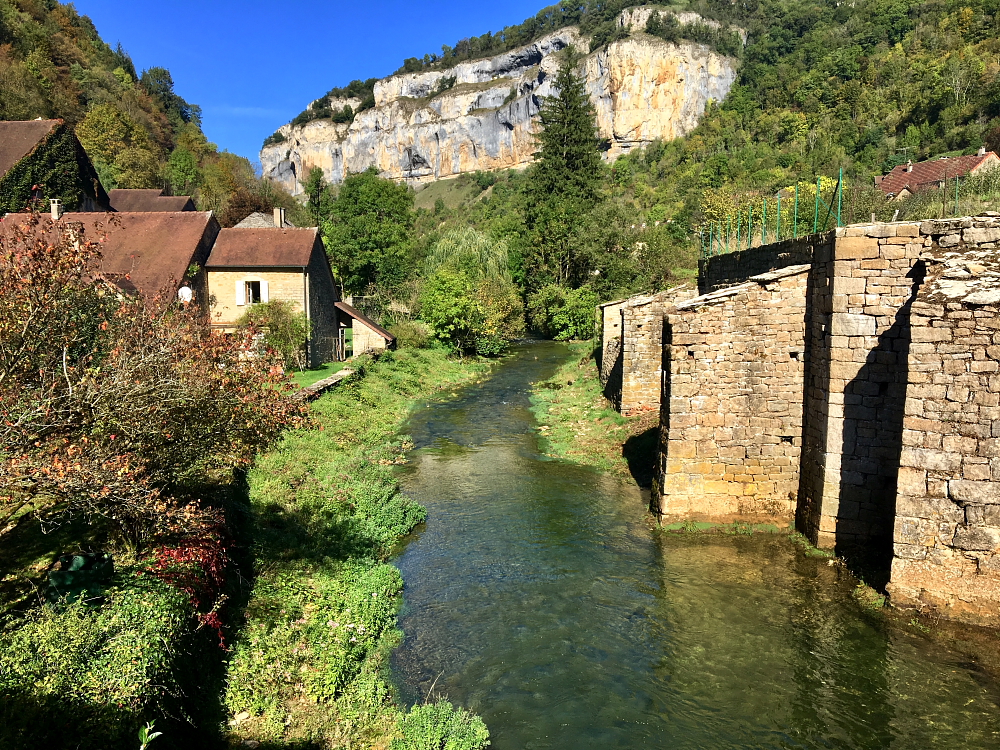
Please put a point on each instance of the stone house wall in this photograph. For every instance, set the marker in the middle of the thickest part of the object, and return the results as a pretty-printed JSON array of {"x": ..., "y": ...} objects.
[{"x": 731, "y": 422}]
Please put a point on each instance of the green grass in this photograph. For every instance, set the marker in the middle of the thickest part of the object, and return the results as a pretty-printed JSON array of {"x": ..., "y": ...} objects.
[
  {"x": 310, "y": 664},
  {"x": 578, "y": 424},
  {"x": 454, "y": 192},
  {"x": 305, "y": 378}
]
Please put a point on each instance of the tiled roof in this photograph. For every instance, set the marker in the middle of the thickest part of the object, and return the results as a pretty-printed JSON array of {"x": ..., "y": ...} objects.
[
  {"x": 263, "y": 248},
  {"x": 18, "y": 139},
  {"x": 153, "y": 250},
  {"x": 927, "y": 174},
  {"x": 149, "y": 200},
  {"x": 360, "y": 316}
]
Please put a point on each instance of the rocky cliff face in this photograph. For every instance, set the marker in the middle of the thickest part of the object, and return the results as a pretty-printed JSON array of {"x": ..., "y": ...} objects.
[{"x": 642, "y": 88}]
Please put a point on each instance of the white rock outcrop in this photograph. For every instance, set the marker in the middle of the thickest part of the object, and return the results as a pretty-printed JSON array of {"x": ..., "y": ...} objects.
[{"x": 642, "y": 88}]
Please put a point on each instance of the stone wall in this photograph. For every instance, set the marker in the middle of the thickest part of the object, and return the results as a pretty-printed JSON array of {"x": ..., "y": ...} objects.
[
  {"x": 897, "y": 410},
  {"x": 731, "y": 422},
  {"x": 642, "y": 353},
  {"x": 862, "y": 284},
  {"x": 721, "y": 271},
  {"x": 609, "y": 320},
  {"x": 947, "y": 524}
]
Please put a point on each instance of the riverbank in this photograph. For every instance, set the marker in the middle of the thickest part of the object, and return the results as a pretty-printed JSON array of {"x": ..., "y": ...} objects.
[
  {"x": 309, "y": 663},
  {"x": 576, "y": 422}
]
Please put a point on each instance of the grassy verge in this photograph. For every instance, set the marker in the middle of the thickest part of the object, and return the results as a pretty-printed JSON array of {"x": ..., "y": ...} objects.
[
  {"x": 309, "y": 665},
  {"x": 305, "y": 378},
  {"x": 578, "y": 424}
]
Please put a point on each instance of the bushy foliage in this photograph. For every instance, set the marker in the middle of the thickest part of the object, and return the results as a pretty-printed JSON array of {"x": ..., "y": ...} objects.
[
  {"x": 114, "y": 408},
  {"x": 411, "y": 334},
  {"x": 563, "y": 314},
  {"x": 468, "y": 298},
  {"x": 285, "y": 331},
  {"x": 366, "y": 230},
  {"x": 86, "y": 677},
  {"x": 441, "y": 726}
]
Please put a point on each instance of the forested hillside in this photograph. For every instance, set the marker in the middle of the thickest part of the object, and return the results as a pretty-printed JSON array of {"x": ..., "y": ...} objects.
[
  {"x": 139, "y": 132},
  {"x": 823, "y": 86}
]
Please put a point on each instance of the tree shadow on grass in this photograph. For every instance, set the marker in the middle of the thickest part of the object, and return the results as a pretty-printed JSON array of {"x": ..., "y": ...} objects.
[{"x": 639, "y": 451}]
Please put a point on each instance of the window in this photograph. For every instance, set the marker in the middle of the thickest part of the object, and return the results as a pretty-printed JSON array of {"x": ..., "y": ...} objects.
[{"x": 253, "y": 293}]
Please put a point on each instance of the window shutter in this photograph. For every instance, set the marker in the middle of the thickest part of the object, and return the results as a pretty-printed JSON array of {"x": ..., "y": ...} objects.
[
  {"x": 263, "y": 291},
  {"x": 241, "y": 293}
]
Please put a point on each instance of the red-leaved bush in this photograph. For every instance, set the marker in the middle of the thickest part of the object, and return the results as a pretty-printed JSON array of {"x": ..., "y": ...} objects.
[{"x": 116, "y": 409}]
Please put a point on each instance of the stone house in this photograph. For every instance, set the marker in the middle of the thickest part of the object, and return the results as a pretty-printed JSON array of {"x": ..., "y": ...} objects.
[
  {"x": 906, "y": 179},
  {"x": 367, "y": 335},
  {"x": 41, "y": 160},
  {"x": 253, "y": 266}
]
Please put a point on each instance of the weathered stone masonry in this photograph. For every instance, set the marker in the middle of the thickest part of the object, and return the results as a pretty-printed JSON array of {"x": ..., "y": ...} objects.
[
  {"x": 732, "y": 402},
  {"x": 853, "y": 394}
]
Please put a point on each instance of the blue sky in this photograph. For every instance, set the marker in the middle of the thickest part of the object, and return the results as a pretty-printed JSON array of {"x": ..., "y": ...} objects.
[{"x": 252, "y": 65}]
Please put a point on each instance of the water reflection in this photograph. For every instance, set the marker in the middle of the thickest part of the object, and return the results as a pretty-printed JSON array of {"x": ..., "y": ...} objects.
[{"x": 545, "y": 603}]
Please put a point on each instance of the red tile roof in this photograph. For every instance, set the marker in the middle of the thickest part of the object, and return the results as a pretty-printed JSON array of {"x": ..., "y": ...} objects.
[
  {"x": 360, "y": 316},
  {"x": 154, "y": 250},
  {"x": 263, "y": 248},
  {"x": 18, "y": 139},
  {"x": 928, "y": 174},
  {"x": 149, "y": 200}
]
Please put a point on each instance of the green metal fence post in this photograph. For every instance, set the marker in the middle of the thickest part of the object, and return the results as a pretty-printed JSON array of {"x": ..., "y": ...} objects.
[
  {"x": 750, "y": 228},
  {"x": 763, "y": 224},
  {"x": 739, "y": 225},
  {"x": 816, "y": 214},
  {"x": 777, "y": 224},
  {"x": 956, "y": 195},
  {"x": 840, "y": 194},
  {"x": 796, "y": 209},
  {"x": 730, "y": 232}
]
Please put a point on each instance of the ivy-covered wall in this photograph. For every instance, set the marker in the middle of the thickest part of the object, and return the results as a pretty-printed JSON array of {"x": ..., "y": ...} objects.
[{"x": 62, "y": 169}]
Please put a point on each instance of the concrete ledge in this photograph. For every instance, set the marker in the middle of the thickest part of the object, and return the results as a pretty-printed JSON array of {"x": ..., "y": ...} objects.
[{"x": 317, "y": 389}]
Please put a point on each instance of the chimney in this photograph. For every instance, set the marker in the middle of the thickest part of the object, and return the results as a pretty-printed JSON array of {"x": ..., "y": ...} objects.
[
  {"x": 981, "y": 151},
  {"x": 909, "y": 166},
  {"x": 56, "y": 207},
  {"x": 279, "y": 217}
]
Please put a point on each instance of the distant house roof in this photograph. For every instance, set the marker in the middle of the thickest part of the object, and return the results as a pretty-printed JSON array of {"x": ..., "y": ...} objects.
[
  {"x": 147, "y": 252},
  {"x": 360, "y": 316},
  {"x": 263, "y": 248},
  {"x": 18, "y": 139},
  {"x": 929, "y": 174},
  {"x": 145, "y": 201},
  {"x": 258, "y": 220}
]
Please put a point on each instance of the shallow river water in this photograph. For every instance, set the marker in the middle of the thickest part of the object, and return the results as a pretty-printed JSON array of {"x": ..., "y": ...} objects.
[{"x": 538, "y": 596}]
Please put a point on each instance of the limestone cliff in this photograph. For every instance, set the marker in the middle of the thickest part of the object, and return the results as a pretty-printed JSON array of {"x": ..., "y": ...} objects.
[{"x": 642, "y": 88}]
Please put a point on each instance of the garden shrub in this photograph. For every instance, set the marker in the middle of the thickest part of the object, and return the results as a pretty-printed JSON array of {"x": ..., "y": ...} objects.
[{"x": 441, "y": 726}]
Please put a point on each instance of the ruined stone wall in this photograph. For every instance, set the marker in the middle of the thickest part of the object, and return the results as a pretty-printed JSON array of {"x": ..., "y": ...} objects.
[
  {"x": 947, "y": 525},
  {"x": 721, "y": 271},
  {"x": 642, "y": 353},
  {"x": 860, "y": 290},
  {"x": 731, "y": 422}
]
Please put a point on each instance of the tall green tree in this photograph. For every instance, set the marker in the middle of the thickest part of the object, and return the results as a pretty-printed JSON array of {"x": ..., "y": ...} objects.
[
  {"x": 368, "y": 232},
  {"x": 564, "y": 181}
]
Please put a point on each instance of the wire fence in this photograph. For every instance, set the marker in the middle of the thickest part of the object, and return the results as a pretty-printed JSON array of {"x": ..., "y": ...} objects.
[{"x": 808, "y": 208}]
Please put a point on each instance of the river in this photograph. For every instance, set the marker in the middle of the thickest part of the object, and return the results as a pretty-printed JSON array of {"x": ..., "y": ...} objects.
[{"x": 538, "y": 596}]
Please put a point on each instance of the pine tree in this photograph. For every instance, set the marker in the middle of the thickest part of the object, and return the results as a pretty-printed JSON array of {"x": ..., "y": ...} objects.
[
  {"x": 565, "y": 179},
  {"x": 569, "y": 160}
]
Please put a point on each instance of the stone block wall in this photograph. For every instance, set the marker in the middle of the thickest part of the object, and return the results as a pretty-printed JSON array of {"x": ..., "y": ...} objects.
[
  {"x": 862, "y": 284},
  {"x": 642, "y": 353},
  {"x": 947, "y": 524},
  {"x": 731, "y": 421},
  {"x": 721, "y": 271}
]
